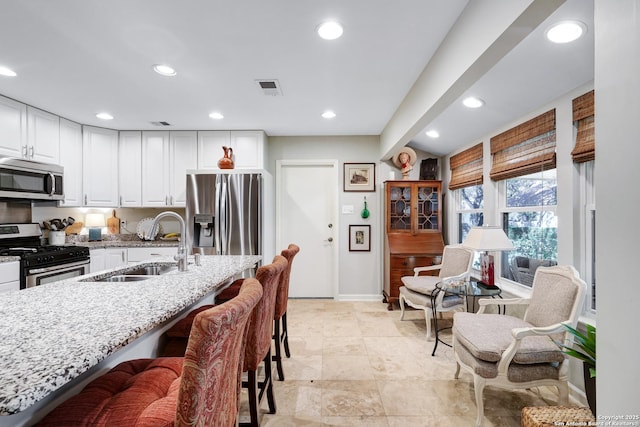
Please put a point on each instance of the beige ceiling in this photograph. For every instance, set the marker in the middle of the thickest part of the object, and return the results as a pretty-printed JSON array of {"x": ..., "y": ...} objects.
[{"x": 75, "y": 58}]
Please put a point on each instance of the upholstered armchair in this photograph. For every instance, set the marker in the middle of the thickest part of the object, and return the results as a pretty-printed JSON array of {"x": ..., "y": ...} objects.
[
  {"x": 417, "y": 289},
  {"x": 514, "y": 353}
]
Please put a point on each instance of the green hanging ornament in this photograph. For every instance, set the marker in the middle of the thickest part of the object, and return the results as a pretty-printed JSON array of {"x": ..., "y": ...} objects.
[{"x": 365, "y": 211}]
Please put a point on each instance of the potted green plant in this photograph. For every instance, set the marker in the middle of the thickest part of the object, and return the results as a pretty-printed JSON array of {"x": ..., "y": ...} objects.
[{"x": 584, "y": 348}]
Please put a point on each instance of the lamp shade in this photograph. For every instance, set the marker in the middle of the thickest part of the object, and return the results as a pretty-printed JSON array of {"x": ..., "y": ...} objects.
[
  {"x": 94, "y": 220},
  {"x": 488, "y": 238}
]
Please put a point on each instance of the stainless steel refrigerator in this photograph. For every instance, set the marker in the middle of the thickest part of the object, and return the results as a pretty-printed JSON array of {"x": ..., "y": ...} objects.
[{"x": 226, "y": 213}]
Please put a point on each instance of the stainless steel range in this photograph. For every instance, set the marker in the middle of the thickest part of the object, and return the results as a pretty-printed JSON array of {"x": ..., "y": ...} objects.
[{"x": 40, "y": 264}]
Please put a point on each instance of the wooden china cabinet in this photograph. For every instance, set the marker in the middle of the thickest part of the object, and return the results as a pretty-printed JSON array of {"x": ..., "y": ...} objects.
[{"x": 413, "y": 231}]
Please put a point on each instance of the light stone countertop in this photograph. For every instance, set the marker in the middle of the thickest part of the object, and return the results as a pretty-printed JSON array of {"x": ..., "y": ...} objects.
[
  {"x": 51, "y": 334},
  {"x": 9, "y": 258}
]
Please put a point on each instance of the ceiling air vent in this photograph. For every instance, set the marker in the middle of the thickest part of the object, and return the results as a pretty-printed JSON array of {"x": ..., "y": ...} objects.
[
  {"x": 270, "y": 87},
  {"x": 160, "y": 123}
]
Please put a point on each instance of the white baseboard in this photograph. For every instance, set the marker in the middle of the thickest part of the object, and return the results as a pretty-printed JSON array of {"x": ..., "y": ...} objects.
[
  {"x": 360, "y": 297},
  {"x": 577, "y": 396}
]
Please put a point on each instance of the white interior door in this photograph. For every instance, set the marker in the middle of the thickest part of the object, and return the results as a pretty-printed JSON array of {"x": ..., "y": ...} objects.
[{"x": 306, "y": 204}]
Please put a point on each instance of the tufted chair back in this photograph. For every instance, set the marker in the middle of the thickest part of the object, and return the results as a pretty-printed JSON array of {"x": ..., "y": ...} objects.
[
  {"x": 208, "y": 393},
  {"x": 260, "y": 327},
  {"x": 283, "y": 287}
]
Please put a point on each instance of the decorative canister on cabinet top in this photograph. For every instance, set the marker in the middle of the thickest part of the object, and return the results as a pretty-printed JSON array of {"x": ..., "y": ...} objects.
[{"x": 226, "y": 162}]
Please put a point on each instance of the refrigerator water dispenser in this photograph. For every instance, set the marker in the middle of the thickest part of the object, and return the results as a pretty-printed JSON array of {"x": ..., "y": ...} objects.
[{"x": 203, "y": 232}]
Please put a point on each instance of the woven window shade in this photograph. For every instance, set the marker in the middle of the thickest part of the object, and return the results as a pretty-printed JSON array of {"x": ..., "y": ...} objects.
[
  {"x": 526, "y": 148},
  {"x": 466, "y": 168},
  {"x": 584, "y": 116}
]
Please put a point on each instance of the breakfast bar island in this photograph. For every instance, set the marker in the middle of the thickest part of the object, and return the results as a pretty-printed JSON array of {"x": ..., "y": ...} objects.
[{"x": 56, "y": 338}]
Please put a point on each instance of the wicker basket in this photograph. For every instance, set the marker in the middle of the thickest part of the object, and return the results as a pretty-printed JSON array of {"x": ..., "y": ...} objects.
[{"x": 551, "y": 416}]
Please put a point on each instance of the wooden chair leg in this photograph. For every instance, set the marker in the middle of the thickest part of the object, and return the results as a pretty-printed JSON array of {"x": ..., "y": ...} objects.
[
  {"x": 278, "y": 344},
  {"x": 268, "y": 384},
  {"x": 254, "y": 400},
  {"x": 285, "y": 335}
]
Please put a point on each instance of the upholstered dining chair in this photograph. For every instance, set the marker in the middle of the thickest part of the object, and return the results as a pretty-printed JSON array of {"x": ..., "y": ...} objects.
[
  {"x": 259, "y": 336},
  {"x": 257, "y": 348},
  {"x": 280, "y": 334},
  {"x": 519, "y": 353},
  {"x": 200, "y": 389},
  {"x": 176, "y": 337},
  {"x": 417, "y": 290}
]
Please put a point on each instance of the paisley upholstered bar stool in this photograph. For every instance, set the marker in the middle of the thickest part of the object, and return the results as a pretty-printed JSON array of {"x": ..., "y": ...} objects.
[
  {"x": 280, "y": 334},
  {"x": 200, "y": 389},
  {"x": 178, "y": 334},
  {"x": 260, "y": 332}
]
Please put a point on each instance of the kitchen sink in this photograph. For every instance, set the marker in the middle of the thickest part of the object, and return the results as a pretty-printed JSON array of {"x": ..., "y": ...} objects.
[
  {"x": 124, "y": 278},
  {"x": 136, "y": 274},
  {"x": 153, "y": 270}
]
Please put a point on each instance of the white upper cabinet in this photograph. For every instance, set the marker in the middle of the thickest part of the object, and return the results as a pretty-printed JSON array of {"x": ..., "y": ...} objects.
[
  {"x": 210, "y": 145},
  {"x": 71, "y": 160},
  {"x": 100, "y": 161},
  {"x": 183, "y": 149},
  {"x": 155, "y": 162},
  {"x": 43, "y": 136},
  {"x": 248, "y": 148},
  {"x": 13, "y": 128},
  {"x": 28, "y": 133},
  {"x": 166, "y": 156},
  {"x": 130, "y": 174}
]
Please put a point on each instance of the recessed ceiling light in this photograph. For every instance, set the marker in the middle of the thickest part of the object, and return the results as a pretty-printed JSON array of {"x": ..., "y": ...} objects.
[
  {"x": 164, "y": 70},
  {"x": 432, "y": 133},
  {"x": 104, "y": 116},
  {"x": 216, "y": 115},
  {"x": 7, "y": 72},
  {"x": 566, "y": 31},
  {"x": 328, "y": 114},
  {"x": 473, "y": 102},
  {"x": 330, "y": 30}
]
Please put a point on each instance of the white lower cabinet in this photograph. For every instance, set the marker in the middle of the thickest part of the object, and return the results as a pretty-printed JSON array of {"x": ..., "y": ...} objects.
[
  {"x": 9, "y": 276},
  {"x": 104, "y": 259},
  {"x": 144, "y": 254}
]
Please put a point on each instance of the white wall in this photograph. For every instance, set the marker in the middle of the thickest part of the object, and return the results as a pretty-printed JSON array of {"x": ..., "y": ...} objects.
[
  {"x": 617, "y": 87},
  {"x": 359, "y": 273}
]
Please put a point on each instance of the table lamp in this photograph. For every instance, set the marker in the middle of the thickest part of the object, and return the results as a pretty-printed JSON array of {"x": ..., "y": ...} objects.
[
  {"x": 487, "y": 238},
  {"x": 94, "y": 223}
]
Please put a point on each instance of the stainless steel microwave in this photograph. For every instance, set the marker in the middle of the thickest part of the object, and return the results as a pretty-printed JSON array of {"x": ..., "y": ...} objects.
[{"x": 26, "y": 179}]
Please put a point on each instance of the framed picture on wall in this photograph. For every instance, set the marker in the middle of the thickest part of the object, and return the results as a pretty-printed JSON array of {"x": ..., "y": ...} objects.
[
  {"x": 360, "y": 177},
  {"x": 359, "y": 238}
]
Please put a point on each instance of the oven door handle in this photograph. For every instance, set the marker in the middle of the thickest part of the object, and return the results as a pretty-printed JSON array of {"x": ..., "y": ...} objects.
[{"x": 59, "y": 267}]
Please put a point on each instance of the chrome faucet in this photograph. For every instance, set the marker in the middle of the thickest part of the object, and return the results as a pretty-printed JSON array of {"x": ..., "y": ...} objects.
[{"x": 181, "y": 256}]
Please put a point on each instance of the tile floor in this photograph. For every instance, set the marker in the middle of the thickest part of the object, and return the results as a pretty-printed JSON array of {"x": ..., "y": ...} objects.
[{"x": 357, "y": 364}]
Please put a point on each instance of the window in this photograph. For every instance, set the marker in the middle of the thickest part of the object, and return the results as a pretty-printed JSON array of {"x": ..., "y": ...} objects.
[
  {"x": 583, "y": 155},
  {"x": 469, "y": 204},
  {"x": 529, "y": 219},
  {"x": 588, "y": 221}
]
